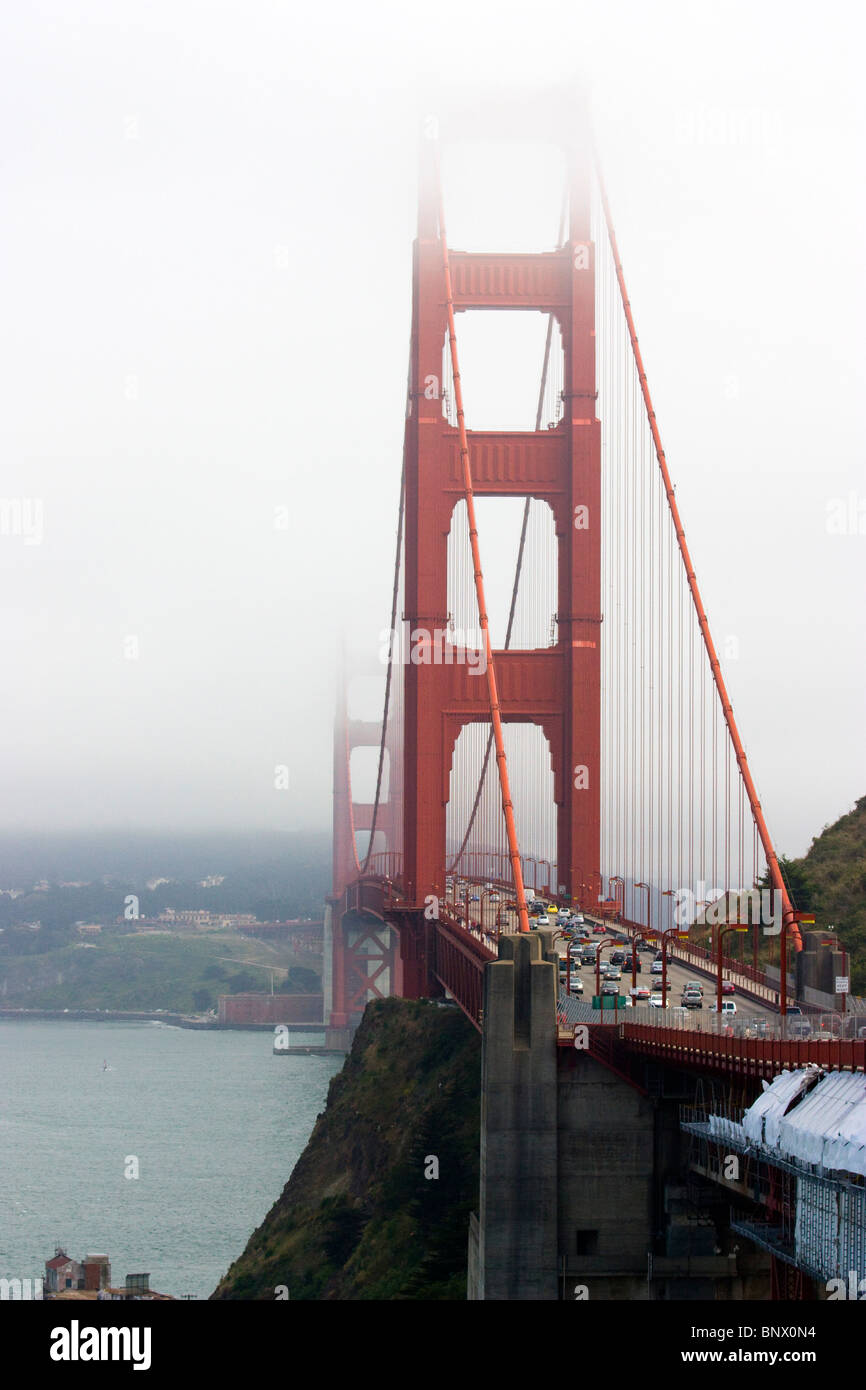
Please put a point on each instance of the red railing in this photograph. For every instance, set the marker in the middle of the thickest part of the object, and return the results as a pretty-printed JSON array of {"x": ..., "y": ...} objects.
[
  {"x": 460, "y": 958},
  {"x": 745, "y": 1056}
]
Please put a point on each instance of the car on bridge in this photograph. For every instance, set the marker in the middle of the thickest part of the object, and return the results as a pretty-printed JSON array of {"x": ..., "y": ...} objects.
[
  {"x": 640, "y": 993},
  {"x": 728, "y": 1007},
  {"x": 632, "y": 963},
  {"x": 691, "y": 999},
  {"x": 576, "y": 985},
  {"x": 756, "y": 1028},
  {"x": 656, "y": 1002},
  {"x": 657, "y": 967},
  {"x": 728, "y": 987},
  {"x": 609, "y": 988},
  {"x": 797, "y": 1027}
]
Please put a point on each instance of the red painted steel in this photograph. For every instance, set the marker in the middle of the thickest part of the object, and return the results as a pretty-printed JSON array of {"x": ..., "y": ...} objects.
[
  {"x": 559, "y": 688},
  {"x": 489, "y": 662},
  {"x": 761, "y": 1057}
]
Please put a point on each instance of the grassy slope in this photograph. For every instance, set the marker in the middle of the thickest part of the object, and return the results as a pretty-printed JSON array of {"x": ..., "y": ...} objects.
[
  {"x": 143, "y": 971},
  {"x": 836, "y": 865},
  {"x": 357, "y": 1218}
]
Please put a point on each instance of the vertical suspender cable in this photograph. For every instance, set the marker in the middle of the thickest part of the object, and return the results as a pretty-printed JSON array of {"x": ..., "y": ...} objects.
[{"x": 727, "y": 709}]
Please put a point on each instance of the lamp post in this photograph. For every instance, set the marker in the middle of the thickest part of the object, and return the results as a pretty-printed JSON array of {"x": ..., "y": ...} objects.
[
  {"x": 704, "y": 902},
  {"x": 606, "y": 941},
  {"x": 739, "y": 927},
  {"x": 547, "y": 888},
  {"x": 648, "y": 925},
  {"x": 668, "y": 934},
  {"x": 567, "y": 961},
  {"x": 485, "y": 892},
  {"x": 527, "y": 858},
  {"x": 616, "y": 878},
  {"x": 648, "y": 899}
]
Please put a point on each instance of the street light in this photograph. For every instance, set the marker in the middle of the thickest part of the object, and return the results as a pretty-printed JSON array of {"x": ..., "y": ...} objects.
[
  {"x": 606, "y": 941},
  {"x": 668, "y": 932},
  {"x": 567, "y": 960},
  {"x": 547, "y": 888},
  {"x": 648, "y": 892},
  {"x": 616, "y": 878},
  {"x": 739, "y": 927},
  {"x": 484, "y": 893},
  {"x": 648, "y": 925}
]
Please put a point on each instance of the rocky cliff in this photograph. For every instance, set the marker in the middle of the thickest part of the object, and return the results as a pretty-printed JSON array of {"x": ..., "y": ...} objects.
[{"x": 378, "y": 1204}]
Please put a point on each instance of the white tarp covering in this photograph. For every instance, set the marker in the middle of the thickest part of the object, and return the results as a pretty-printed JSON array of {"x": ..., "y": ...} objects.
[
  {"x": 828, "y": 1127},
  {"x": 761, "y": 1120},
  {"x": 723, "y": 1129}
]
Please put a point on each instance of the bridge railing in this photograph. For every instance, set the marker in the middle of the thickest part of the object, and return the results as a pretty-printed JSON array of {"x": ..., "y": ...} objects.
[
  {"x": 386, "y": 864},
  {"x": 790, "y": 1028}
]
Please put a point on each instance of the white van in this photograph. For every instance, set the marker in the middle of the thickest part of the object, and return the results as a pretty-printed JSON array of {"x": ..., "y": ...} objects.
[{"x": 728, "y": 1007}]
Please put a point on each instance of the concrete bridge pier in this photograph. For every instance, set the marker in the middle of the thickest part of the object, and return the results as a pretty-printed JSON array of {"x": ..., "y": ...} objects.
[
  {"x": 587, "y": 1188},
  {"x": 513, "y": 1246}
]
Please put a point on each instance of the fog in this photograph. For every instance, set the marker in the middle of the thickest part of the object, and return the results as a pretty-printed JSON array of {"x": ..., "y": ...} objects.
[{"x": 209, "y": 211}]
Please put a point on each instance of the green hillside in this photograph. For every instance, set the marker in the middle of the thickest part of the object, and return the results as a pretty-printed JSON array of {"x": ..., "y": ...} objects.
[
  {"x": 147, "y": 970},
  {"x": 832, "y": 879}
]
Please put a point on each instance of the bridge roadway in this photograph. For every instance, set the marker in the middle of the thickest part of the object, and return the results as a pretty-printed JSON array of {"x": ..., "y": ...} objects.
[{"x": 483, "y": 916}]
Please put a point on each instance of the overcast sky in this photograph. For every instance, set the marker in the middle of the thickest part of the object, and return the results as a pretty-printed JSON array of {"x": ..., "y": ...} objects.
[{"x": 208, "y": 217}]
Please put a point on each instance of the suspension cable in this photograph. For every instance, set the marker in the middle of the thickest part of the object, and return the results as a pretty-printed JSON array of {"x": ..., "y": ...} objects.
[{"x": 715, "y": 667}]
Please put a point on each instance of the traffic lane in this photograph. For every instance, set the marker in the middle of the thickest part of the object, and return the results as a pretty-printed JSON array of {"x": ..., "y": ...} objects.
[
  {"x": 678, "y": 975},
  {"x": 678, "y": 972}
]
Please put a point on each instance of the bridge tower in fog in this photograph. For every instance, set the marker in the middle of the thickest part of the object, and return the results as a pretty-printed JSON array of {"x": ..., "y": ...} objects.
[{"x": 608, "y": 767}]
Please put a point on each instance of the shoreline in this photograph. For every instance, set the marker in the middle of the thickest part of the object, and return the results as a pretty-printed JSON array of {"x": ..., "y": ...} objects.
[
  {"x": 110, "y": 1016},
  {"x": 196, "y": 1021}
]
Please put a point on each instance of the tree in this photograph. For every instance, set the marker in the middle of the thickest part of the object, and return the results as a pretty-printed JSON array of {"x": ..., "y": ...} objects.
[{"x": 801, "y": 888}]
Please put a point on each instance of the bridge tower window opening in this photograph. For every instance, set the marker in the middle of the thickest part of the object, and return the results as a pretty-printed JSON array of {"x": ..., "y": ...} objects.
[
  {"x": 476, "y": 844},
  {"x": 520, "y": 555},
  {"x": 512, "y": 368}
]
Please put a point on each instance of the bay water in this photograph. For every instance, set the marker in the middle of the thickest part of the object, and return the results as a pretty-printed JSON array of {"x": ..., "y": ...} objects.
[{"x": 161, "y": 1147}]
